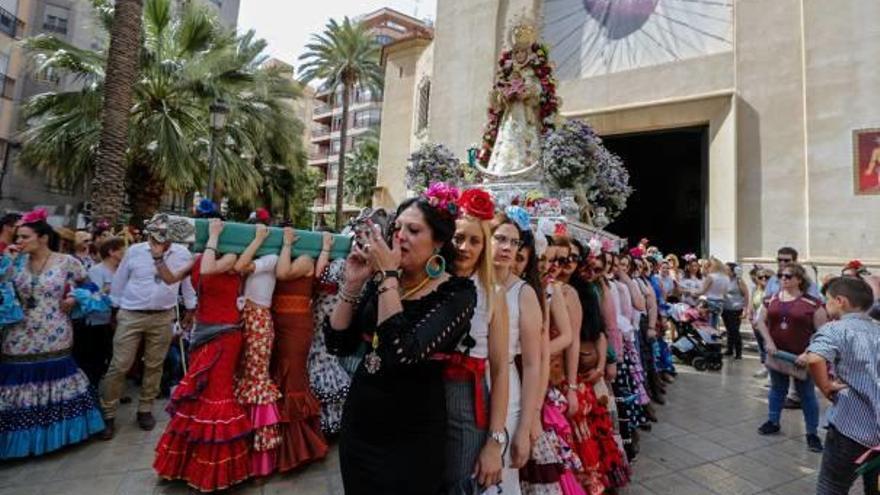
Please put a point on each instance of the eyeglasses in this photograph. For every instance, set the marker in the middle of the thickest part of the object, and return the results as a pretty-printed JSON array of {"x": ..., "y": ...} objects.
[
  {"x": 784, "y": 260},
  {"x": 503, "y": 240}
]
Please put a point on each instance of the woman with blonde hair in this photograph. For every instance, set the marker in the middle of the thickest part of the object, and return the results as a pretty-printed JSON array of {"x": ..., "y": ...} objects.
[
  {"x": 475, "y": 427},
  {"x": 715, "y": 286}
]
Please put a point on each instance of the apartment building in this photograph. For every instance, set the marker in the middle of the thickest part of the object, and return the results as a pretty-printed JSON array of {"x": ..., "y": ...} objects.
[{"x": 365, "y": 112}]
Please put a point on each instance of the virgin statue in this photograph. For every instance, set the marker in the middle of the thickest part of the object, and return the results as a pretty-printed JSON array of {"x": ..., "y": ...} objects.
[{"x": 523, "y": 105}]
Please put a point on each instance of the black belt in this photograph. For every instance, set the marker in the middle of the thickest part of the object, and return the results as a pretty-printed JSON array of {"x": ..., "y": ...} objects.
[
  {"x": 29, "y": 358},
  {"x": 148, "y": 311}
]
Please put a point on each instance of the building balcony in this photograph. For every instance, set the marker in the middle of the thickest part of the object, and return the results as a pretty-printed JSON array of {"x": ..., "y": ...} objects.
[
  {"x": 318, "y": 160},
  {"x": 10, "y": 24},
  {"x": 322, "y": 111},
  {"x": 7, "y": 87},
  {"x": 320, "y": 137}
]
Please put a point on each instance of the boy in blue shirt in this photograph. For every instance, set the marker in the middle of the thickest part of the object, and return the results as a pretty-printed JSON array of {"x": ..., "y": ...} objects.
[{"x": 852, "y": 344}]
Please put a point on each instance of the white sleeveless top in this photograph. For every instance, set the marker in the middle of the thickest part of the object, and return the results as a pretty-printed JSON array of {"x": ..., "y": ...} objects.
[
  {"x": 719, "y": 287},
  {"x": 513, "y": 318},
  {"x": 479, "y": 324}
]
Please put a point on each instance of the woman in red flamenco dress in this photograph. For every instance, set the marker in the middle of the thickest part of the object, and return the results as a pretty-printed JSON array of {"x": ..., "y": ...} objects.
[
  {"x": 207, "y": 441},
  {"x": 302, "y": 441}
]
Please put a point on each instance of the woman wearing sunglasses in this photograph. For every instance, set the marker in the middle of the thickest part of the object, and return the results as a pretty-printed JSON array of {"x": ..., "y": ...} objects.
[{"x": 787, "y": 321}]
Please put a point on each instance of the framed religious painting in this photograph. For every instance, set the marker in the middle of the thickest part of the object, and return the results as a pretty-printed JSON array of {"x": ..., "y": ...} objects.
[{"x": 866, "y": 161}]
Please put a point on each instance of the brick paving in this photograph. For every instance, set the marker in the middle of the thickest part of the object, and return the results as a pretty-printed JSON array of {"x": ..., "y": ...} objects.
[{"x": 705, "y": 443}]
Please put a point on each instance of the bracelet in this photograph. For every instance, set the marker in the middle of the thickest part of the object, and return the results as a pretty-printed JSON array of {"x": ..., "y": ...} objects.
[
  {"x": 349, "y": 297},
  {"x": 211, "y": 248}
]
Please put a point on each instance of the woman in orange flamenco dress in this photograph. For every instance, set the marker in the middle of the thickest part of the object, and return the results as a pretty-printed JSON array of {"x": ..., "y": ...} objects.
[
  {"x": 301, "y": 439},
  {"x": 207, "y": 441}
]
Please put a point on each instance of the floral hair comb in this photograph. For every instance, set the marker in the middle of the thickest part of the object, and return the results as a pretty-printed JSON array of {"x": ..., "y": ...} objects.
[
  {"x": 477, "y": 203},
  {"x": 443, "y": 197},
  {"x": 35, "y": 215},
  {"x": 519, "y": 216},
  {"x": 689, "y": 257}
]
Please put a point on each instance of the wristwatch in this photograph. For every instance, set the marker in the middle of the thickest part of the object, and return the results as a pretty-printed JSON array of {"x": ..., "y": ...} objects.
[
  {"x": 383, "y": 275},
  {"x": 499, "y": 436}
]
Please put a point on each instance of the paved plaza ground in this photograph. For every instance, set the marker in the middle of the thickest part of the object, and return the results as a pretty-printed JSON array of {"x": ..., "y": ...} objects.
[{"x": 705, "y": 443}]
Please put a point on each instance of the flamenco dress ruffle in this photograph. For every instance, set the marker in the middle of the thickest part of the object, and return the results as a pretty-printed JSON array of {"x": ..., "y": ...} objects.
[
  {"x": 555, "y": 422},
  {"x": 596, "y": 444},
  {"x": 302, "y": 441},
  {"x": 44, "y": 405},
  {"x": 256, "y": 391},
  {"x": 207, "y": 441}
]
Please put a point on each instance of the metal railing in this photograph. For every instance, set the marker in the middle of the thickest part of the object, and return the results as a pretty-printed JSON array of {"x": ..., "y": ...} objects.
[
  {"x": 322, "y": 109},
  {"x": 320, "y": 132},
  {"x": 10, "y": 24}
]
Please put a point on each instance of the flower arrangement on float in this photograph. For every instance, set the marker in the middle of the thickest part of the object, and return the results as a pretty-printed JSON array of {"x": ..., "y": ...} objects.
[
  {"x": 509, "y": 88},
  {"x": 432, "y": 163},
  {"x": 574, "y": 158}
]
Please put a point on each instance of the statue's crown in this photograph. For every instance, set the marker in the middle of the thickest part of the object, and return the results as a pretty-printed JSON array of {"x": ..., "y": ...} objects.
[{"x": 523, "y": 31}]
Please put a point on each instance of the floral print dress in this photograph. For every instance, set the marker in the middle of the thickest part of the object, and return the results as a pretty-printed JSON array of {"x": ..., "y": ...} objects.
[
  {"x": 45, "y": 399},
  {"x": 328, "y": 379}
]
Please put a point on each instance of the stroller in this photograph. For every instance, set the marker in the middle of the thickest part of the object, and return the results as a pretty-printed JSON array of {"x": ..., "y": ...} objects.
[{"x": 696, "y": 347}]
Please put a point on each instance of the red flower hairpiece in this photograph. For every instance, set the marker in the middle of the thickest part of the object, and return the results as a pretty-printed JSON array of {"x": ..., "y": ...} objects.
[
  {"x": 560, "y": 229},
  {"x": 477, "y": 203},
  {"x": 36, "y": 215},
  {"x": 854, "y": 265},
  {"x": 636, "y": 252}
]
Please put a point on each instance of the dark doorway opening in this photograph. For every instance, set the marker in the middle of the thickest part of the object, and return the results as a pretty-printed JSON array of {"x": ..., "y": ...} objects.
[{"x": 669, "y": 172}]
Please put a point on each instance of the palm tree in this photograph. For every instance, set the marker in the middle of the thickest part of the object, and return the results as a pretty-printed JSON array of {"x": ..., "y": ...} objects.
[
  {"x": 121, "y": 74},
  {"x": 360, "y": 179},
  {"x": 187, "y": 61},
  {"x": 344, "y": 56}
]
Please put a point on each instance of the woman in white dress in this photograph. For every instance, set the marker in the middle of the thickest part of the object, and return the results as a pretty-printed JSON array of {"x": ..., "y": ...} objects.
[{"x": 525, "y": 333}]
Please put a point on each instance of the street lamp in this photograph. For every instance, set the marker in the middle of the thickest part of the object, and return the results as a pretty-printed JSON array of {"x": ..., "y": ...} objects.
[{"x": 218, "y": 110}]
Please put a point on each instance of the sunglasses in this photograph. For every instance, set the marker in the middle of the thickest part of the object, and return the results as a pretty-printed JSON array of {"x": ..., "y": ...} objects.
[
  {"x": 786, "y": 276},
  {"x": 763, "y": 277},
  {"x": 503, "y": 240},
  {"x": 559, "y": 260}
]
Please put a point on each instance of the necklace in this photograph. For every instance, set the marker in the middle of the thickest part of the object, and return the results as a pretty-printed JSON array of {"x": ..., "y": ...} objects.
[
  {"x": 419, "y": 286},
  {"x": 372, "y": 361},
  {"x": 31, "y": 302}
]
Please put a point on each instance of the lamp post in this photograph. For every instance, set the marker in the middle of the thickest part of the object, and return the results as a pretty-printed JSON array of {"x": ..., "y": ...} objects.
[{"x": 218, "y": 110}]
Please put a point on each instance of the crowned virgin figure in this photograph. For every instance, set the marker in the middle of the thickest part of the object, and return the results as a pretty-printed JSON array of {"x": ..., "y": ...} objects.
[{"x": 522, "y": 106}]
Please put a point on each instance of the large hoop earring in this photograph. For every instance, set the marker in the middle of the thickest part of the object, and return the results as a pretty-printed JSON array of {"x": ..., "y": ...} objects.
[{"x": 435, "y": 266}]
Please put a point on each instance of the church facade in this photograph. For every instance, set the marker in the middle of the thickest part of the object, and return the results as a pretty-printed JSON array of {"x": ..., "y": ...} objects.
[{"x": 786, "y": 93}]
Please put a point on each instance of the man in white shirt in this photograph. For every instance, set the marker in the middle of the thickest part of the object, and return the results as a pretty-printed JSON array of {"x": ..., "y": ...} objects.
[{"x": 146, "y": 312}]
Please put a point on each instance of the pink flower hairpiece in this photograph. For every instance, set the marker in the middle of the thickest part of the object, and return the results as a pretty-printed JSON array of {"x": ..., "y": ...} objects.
[
  {"x": 689, "y": 257},
  {"x": 444, "y": 197},
  {"x": 636, "y": 252},
  {"x": 35, "y": 215}
]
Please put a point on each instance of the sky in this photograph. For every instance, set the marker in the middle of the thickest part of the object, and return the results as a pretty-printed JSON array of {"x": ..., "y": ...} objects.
[{"x": 287, "y": 24}]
